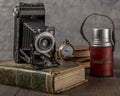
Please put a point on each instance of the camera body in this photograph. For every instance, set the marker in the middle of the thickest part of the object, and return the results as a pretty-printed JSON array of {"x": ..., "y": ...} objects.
[{"x": 34, "y": 42}]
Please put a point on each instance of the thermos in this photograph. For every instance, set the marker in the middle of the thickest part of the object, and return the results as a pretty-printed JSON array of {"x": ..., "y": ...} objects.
[{"x": 101, "y": 49}]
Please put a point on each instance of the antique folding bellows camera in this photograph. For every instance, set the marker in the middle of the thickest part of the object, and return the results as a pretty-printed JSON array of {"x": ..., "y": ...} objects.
[{"x": 34, "y": 42}]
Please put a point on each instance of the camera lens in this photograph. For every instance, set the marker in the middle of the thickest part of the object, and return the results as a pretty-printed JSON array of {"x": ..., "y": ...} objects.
[{"x": 44, "y": 42}]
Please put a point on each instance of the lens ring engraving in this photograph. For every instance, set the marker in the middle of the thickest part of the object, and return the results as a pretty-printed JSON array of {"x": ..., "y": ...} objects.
[{"x": 44, "y": 42}]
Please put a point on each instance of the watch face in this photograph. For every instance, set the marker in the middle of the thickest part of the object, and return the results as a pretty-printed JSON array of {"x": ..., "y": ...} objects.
[{"x": 67, "y": 51}]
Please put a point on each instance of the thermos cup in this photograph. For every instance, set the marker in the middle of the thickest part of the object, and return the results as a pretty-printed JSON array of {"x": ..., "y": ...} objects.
[{"x": 101, "y": 49}]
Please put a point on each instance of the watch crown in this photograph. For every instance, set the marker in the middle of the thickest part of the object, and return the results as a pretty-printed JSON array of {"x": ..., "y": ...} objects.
[{"x": 66, "y": 42}]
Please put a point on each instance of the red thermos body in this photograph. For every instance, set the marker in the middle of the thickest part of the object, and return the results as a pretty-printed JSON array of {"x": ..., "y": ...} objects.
[{"x": 101, "y": 50}]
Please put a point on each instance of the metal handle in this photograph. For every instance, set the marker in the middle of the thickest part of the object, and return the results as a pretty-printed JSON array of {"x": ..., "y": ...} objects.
[{"x": 113, "y": 28}]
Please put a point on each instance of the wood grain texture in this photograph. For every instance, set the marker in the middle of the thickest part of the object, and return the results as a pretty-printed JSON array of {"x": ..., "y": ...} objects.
[
  {"x": 25, "y": 92},
  {"x": 108, "y": 87},
  {"x": 8, "y": 90}
]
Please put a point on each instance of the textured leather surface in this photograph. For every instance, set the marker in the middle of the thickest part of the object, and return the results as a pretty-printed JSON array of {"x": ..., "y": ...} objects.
[
  {"x": 65, "y": 15},
  {"x": 45, "y": 80}
]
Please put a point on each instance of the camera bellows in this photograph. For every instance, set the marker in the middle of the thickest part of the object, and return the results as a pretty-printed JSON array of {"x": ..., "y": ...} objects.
[
  {"x": 44, "y": 41},
  {"x": 30, "y": 28}
]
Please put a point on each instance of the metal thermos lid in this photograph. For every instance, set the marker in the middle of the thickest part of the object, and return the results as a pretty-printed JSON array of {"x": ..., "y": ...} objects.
[{"x": 101, "y": 37}]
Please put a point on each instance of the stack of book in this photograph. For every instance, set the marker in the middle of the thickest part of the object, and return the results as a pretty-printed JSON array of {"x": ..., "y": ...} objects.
[{"x": 81, "y": 55}]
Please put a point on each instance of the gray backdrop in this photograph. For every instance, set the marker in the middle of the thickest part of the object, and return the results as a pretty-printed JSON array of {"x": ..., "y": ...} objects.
[{"x": 66, "y": 16}]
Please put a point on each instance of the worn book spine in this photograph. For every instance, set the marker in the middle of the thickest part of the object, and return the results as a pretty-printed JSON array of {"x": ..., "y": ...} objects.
[
  {"x": 82, "y": 53},
  {"x": 30, "y": 79}
]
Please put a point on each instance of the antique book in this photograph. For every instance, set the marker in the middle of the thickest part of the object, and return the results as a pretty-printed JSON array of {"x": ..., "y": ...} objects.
[
  {"x": 81, "y": 47},
  {"x": 80, "y": 60},
  {"x": 81, "y": 51},
  {"x": 82, "y": 55},
  {"x": 85, "y": 53},
  {"x": 86, "y": 64},
  {"x": 51, "y": 80}
]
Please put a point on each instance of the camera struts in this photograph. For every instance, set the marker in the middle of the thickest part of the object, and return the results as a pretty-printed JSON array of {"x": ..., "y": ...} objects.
[{"x": 34, "y": 42}]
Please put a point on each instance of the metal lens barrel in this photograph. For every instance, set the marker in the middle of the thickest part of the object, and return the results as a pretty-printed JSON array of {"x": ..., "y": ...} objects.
[{"x": 44, "y": 42}]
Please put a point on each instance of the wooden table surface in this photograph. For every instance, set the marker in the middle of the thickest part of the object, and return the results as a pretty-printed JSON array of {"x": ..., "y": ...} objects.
[{"x": 109, "y": 86}]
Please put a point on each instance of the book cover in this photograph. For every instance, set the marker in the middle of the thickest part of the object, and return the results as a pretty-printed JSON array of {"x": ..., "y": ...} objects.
[
  {"x": 51, "y": 80},
  {"x": 85, "y": 53},
  {"x": 81, "y": 60},
  {"x": 81, "y": 48}
]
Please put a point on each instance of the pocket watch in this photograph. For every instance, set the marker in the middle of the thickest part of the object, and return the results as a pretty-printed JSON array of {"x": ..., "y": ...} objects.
[{"x": 66, "y": 50}]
